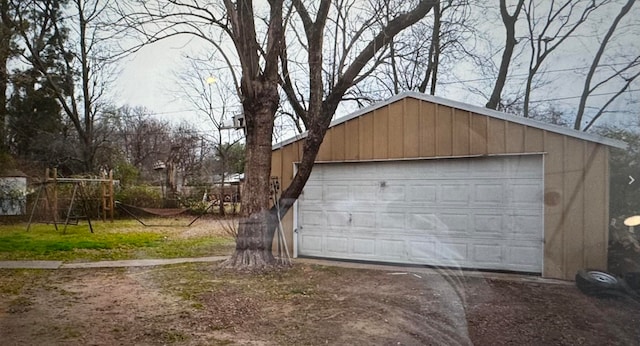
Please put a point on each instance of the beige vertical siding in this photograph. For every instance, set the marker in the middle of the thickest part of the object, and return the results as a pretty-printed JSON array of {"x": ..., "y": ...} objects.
[
  {"x": 352, "y": 140},
  {"x": 338, "y": 143},
  {"x": 575, "y": 171},
  {"x": 596, "y": 192},
  {"x": 366, "y": 137},
  {"x": 461, "y": 134},
  {"x": 534, "y": 140},
  {"x": 395, "y": 130},
  {"x": 427, "y": 134},
  {"x": 496, "y": 136},
  {"x": 411, "y": 132},
  {"x": 478, "y": 139},
  {"x": 444, "y": 131}
]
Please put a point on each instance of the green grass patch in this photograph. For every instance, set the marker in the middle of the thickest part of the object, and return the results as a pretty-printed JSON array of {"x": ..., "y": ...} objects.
[{"x": 110, "y": 241}]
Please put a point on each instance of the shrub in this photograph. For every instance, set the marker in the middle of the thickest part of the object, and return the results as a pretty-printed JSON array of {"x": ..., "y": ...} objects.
[{"x": 141, "y": 196}]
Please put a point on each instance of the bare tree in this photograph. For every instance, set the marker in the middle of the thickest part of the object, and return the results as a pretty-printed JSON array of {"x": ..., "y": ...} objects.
[
  {"x": 451, "y": 43},
  {"x": 548, "y": 30},
  {"x": 260, "y": 77},
  {"x": 556, "y": 26},
  {"x": 72, "y": 33},
  {"x": 509, "y": 21},
  {"x": 420, "y": 56},
  {"x": 142, "y": 139},
  {"x": 322, "y": 103},
  {"x": 187, "y": 155},
  {"x": 627, "y": 72},
  {"x": 204, "y": 86}
]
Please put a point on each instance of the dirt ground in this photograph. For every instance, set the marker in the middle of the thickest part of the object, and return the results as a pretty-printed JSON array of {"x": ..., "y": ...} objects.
[{"x": 200, "y": 304}]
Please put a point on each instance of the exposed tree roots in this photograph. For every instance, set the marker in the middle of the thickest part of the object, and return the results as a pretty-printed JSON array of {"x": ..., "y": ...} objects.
[{"x": 254, "y": 261}]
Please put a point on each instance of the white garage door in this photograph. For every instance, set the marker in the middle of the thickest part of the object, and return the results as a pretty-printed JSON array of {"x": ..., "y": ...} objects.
[{"x": 483, "y": 213}]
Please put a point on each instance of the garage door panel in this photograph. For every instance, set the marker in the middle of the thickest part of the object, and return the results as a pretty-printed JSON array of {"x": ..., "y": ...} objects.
[
  {"x": 391, "y": 193},
  {"x": 423, "y": 251},
  {"x": 422, "y": 193},
  {"x": 454, "y": 167},
  {"x": 391, "y": 249},
  {"x": 487, "y": 255},
  {"x": 523, "y": 167},
  {"x": 518, "y": 255},
  {"x": 524, "y": 193},
  {"x": 363, "y": 192},
  {"x": 478, "y": 213},
  {"x": 451, "y": 254},
  {"x": 455, "y": 222},
  {"x": 426, "y": 222},
  {"x": 364, "y": 247},
  {"x": 312, "y": 193},
  {"x": 363, "y": 220},
  {"x": 391, "y": 220},
  {"x": 454, "y": 193},
  {"x": 488, "y": 194},
  {"x": 313, "y": 218},
  {"x": 337, "y": 245},
  {"x": 418, "y": 171},
  {"x": 525, "y": 255},
  {"x": 336, "y": 192},
  {"x": 338, "y": 218},
  {"x": 351, "y": 206},
  {"x": 488, "y": 225},
  {"x": 482, "y": 169},
  {"x": 525, "y": 226},
  {"x": 311, "y": 244}
]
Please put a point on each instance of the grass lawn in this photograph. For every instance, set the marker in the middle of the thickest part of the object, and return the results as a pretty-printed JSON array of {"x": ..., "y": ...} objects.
[{"x": 122, "y": 239}]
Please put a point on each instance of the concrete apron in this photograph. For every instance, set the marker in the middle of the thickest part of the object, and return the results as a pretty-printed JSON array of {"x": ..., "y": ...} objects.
[{"x": 412, "y": 270}]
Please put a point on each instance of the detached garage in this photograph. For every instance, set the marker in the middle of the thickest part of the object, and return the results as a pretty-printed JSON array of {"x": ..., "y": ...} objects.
[{"x": 423, "y": 180}]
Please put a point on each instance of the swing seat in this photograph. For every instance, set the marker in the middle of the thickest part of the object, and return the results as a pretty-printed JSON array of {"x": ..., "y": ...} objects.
[{"x": 73, "y": 220}]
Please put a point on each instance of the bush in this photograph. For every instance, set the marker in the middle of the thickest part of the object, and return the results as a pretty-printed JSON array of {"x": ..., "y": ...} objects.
[
  {"x": 196, "y": 207},
  {"x": 141, "y": 196},
  {"x": 127, "y": 174},
  {"x": 624, "y": 248}
]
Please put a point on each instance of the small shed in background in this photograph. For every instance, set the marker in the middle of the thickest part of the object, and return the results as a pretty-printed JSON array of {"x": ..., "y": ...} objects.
[
  {"x": 423, "y": 180},
  {"x": 13, "y": 193}
]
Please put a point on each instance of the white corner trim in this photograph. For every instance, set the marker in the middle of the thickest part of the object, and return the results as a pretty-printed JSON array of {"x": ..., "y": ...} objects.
[{"x": 294, "y": 229}]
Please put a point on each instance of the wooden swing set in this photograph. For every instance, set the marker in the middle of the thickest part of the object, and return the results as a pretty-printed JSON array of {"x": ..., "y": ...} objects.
[{"x": 47, "y": 200}]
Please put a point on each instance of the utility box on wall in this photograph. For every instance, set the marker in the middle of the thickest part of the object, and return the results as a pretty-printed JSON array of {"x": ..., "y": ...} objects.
[{"x": 13, "y": 193}]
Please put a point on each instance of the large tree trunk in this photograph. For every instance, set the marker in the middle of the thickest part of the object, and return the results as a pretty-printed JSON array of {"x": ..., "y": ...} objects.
[
  {"x": 259, "y": 92},
  {"x": 255, "y": 232},
  {"x": 5, "y": 48},
  {"x": 260, "y": 99}
]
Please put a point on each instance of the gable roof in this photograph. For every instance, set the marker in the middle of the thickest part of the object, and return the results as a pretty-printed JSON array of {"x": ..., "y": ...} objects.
[
  {"x": 12, "y": 173},
  {"x": 470, "y": 108}
]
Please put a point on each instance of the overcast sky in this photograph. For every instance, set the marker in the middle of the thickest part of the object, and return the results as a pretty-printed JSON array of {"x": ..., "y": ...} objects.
[{"x": 147, "y": 77}]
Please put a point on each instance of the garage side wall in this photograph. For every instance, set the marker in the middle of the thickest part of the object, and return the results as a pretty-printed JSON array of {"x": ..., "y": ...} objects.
[{"x": 575, "y": 171}]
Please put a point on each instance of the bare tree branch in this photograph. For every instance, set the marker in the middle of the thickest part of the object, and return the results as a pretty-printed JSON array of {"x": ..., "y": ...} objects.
[{"x": 587, "y": 89}]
